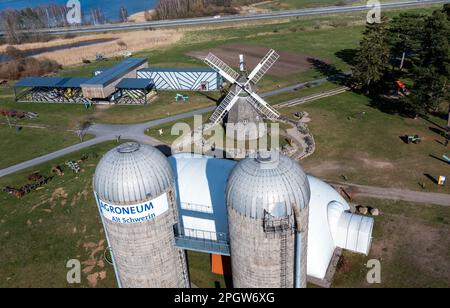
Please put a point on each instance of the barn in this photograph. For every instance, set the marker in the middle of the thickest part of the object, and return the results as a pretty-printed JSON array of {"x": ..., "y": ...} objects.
[{"x": 187, "y": 79}]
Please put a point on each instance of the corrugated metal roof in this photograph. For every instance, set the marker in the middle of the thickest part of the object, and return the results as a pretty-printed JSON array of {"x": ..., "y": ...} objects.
[
  {"x": 178, "y": 70},
  {"x": 271, "y": 182},
  {"x": 132, "y": 173},
  {"x": 51, "y": 82},
  {"x": 134, "y": 83},
  {"x": 109, "y": 75}
]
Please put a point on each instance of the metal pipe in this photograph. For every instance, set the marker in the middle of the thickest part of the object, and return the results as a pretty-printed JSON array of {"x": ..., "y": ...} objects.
[
  {"x": 298, "y": 248},
  {"x": 298, "y": 260}
]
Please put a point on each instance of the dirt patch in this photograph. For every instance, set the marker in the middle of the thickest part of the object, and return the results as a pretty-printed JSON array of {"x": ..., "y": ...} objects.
[
  {"x": 58, "y": 194},
  {"x": 288, "y": 63},
  {"x": 94, "y": 261},
  {"x": 325, "y": 168},
  {"x": 254, "y": 8},
  {"x": 376, "y": 164}
]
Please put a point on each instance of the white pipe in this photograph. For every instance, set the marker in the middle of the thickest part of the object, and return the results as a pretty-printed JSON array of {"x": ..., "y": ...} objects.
[{"x": 349, "y": 231}]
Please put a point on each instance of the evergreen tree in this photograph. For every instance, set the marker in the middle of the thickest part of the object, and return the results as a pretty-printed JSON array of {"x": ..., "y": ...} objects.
[
  {"x": 372, "y": 58},
  {"x": 404, "y": 34},
  {"x": 431, "y": 73}
]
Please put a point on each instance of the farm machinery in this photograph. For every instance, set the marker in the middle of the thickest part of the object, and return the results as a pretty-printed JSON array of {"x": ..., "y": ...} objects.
[
  {"x": 181, "y": 97},
  {"x": 18, "y": 114},
  {"x": 401, "y": 88},
  {"x": 36, "y": 180},
  {"x": 412, "y": 139}
]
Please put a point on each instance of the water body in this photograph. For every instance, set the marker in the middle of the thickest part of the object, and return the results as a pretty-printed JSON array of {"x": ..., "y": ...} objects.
[{"x": 110, "y": 8}]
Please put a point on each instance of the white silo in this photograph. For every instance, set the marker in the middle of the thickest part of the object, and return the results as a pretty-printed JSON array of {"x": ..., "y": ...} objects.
[
  {"x": 134, "y": 188},
  {"x": 267, "y": 199}
]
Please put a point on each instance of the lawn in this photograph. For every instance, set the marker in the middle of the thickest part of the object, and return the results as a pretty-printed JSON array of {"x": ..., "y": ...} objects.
[
  {"x": 355, "y": 139},
  {"x": 42, "y": 231},
  {"x": 52, "y": 130},
  {"x": 411, "y": 241}
]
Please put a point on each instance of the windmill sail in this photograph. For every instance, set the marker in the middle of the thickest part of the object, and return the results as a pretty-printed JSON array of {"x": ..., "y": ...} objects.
[
  {"x": 232, "y": 76},
  {"x": 263, "y": 107},
  {"x": 225, "y": 106},
  {"x": 226, "y": 71},
  {"x": 261, "y": 69}
]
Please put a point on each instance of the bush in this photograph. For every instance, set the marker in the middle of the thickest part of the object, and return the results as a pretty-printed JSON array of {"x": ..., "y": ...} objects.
[
  {"x": 26, "y": 67},
  {"x": 14, "y": 53}
]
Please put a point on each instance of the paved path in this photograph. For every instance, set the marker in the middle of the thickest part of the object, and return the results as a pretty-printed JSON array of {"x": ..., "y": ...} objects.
[
  {"x": 106, "y": 132},
  {"x": 395, "y": 194}
]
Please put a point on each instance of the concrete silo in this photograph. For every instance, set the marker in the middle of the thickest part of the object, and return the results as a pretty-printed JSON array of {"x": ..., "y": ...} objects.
[
  {"x": 134, "y": 188},
  {"x": 267, "y": 199}
]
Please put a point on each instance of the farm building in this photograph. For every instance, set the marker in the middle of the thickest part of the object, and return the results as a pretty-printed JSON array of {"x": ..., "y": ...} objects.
[
  {"x": 128, "y": 82},
  {"x": 187, "y": 79},
  {"x": 104, "y": 84},
  {"x": 50, "y": 89},
  {"x": 279, "y": 226}
]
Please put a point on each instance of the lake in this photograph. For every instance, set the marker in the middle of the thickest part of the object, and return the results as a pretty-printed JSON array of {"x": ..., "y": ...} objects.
[{"x": 109, "y": 7}]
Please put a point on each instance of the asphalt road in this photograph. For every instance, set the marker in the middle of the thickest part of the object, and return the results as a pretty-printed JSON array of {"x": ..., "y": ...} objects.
[
  {"x": 106, "y": 132},
  {"x": 233, "y": 18}
]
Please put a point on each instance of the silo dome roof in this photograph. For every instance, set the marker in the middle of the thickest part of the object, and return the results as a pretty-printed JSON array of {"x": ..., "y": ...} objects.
[
  {"x": 269, "y": 181},
  {"x": 132, "y": 173}
]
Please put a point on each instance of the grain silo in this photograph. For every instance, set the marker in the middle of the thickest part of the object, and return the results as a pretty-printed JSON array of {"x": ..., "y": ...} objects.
[
  {"x": 134, "y": 188},
  {"x": 267, "y": 199}
]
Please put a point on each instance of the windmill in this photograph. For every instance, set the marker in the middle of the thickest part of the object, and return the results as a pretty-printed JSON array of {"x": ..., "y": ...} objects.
[{"x": 242, "y": 104}]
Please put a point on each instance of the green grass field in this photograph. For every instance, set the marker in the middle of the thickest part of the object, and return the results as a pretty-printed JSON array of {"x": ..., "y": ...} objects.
[{"x": 357, "y": 140}]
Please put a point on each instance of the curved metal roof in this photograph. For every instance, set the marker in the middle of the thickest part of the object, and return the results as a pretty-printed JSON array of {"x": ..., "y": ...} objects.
[
  {"x": 132, "y": 173},
  {"x": 271, "y": 182}
]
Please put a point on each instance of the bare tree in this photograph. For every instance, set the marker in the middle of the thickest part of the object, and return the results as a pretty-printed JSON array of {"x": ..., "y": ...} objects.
[
  {"x": 123, "y": 14},
  {"x": 11, "y": 27},
  {"x": 82, "y": 129}
]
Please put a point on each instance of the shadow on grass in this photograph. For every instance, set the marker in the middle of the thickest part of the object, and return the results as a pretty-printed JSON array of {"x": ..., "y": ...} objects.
[
  {"x": 215, "y": 100},
  {"x": 439, "y": 158},
  {"x": 347, "y": 55},
  {"x": 332, "y": 73},
  {"x": 431, "y": 178}
]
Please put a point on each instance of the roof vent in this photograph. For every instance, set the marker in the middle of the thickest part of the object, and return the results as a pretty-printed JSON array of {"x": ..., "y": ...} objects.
[{"x": 129, "y": 147}]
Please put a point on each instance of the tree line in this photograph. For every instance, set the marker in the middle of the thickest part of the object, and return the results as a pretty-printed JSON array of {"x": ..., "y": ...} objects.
[
  {"x": 173, "y": 9},
  {"x": 413, "y": 47},
  {"x": 15, "y": 23}
]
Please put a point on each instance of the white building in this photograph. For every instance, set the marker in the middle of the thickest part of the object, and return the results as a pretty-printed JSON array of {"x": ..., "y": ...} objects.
[{"x": 201, "y": 183}]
